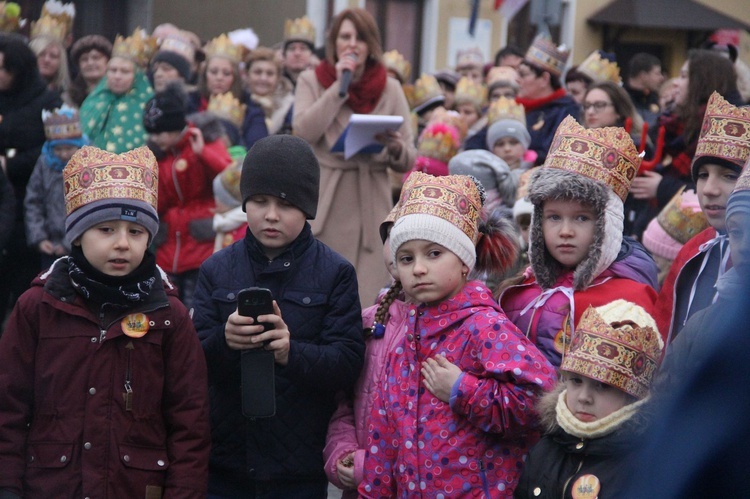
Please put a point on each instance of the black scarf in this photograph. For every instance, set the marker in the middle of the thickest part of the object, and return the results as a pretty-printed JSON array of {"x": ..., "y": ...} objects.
[{"x": 123, "y": 291}]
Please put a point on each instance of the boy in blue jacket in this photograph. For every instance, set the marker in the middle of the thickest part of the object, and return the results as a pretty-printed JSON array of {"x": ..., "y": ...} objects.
[{"x": 315, "y": 334}]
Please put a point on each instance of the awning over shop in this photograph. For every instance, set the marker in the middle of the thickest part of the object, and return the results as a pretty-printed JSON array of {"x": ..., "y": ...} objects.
[{"x": 687, "y": 15}]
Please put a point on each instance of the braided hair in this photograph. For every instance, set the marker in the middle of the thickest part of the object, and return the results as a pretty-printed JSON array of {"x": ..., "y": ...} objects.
[{"x": 381, "y": 314}]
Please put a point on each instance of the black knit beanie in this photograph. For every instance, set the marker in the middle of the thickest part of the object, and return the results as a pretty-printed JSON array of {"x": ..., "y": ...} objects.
[
  {"x": 165, "y": 112},
  {"x": 283, "y": 166},
  {"x": 175, "y": 60}
]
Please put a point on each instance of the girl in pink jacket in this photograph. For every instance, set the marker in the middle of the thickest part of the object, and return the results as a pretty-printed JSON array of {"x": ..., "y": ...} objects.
[{"x": 452, "y": 410}]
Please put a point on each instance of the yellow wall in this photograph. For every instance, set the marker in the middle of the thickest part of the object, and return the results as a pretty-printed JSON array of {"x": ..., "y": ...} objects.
[{"x": 461, "y": 8}]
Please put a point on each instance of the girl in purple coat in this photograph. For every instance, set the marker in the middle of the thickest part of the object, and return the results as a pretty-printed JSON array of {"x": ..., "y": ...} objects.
[{"x": 452, "y": 413}]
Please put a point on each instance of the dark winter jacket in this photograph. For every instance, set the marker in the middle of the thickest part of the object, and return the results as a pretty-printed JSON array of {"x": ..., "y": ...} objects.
[
  {"x": 316, "y": 290},
  {"x": 65, "y": 428},
  {"x": 543, "y": 117},
  {"x": 44, "y": 206},
  {"x": 253, "y": 124},
  {"x": 7, "y": 212}
]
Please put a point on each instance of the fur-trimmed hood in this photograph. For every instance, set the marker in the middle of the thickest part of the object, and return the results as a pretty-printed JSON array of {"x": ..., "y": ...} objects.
[{"x": 553, "y": 183}]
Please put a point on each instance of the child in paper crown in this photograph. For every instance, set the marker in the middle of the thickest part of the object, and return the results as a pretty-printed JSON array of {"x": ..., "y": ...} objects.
[
  {"x": 452, "y": 410},
  {"x": 230, "y": 221},
  {"x": 576, "y": 237},
  {"x": 104, "y": 380},
  {"x": 189, "y": 159},
  {"x": 438, "y": 143},
  {"x": 723, "y": 147},
  {"x": 44, "y": 205},
  {"x": 593, "y": 420}
]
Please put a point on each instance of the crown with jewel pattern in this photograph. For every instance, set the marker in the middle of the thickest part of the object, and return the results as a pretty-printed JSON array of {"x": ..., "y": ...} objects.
[
  {"x": 138, "y": 47},
  {"x": 62, "y": 123},
  {"x": 10, "y": 17},
  {"x": 469, "y": 57},
  {"x": 469, "y": 91},
  {"x": 544, "y": 54},
  {"x": 222, "y": 46},
  {"x": 607, "y": 155},
  {"x": 228, "y": 107},
  {"x": 506, "y": 109},
  {"x": 617, "y": 344},
  {"x": 425, "y": 91},
  {"x": 681, "y": 222},
  {"x": 600, "y": 68},
  {"x": 299, "y": 30},
  {"x": 394, "y": 61},
  {"x": 725, "y": 133}
]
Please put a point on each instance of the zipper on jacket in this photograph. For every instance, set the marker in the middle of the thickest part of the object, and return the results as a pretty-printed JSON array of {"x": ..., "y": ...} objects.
[
  {"x": 128, "y": 395},
  {"x": 102, "y": 329},
  {"x": 565, "y": 487},
  {"x": 178, "y": 244},
  {"x": 177, "y": 188},
  {"x": 483, "y": 475}
]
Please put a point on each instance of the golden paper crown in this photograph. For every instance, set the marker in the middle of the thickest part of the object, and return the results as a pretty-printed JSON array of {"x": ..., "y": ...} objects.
[
  {"x": 471, "y": 56},
  {"x": 600, "y": 69},
  {"x": 179, "y": 44},
  {"x": 230, "y": 179},
  {"x": 506, "y": 109},
  {"x": 50, "y": 27},
  {"x": 228, "y": 107},
  {"x": 442, "y": 137},
  {"x": 682, "y": 217},
  {"x": 454, "y": 198},
  {"x": 502, "y": 73},
  {"x": 10, "y": 17},
  {"x": 425, "y": 91},
  {"x": 138, "y": 47},
  {"x": 611, "y": 347},
  {"x": 544, "y": 54},
  {"x": 299, "y": 30},
  {"x": 394, "y": 61},
  {"x": 222, "y": 46},
  {"x": 607, "y": 155},
  {"x": 725, "y": 133},
  {"x": 63, "y": 12},
  {"x": 62, "y": 123},
  {"x": 468, "y": 91},
  {"x": 93, "y": 175}
]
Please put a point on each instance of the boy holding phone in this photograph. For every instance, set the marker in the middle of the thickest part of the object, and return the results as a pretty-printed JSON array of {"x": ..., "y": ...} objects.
[{"x": 315, "y": 335}]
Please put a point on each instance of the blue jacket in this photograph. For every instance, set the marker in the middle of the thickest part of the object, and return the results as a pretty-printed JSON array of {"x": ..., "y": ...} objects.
[
  {"x": 542, "y": 123},
  {"x": 316, "y": 290}
]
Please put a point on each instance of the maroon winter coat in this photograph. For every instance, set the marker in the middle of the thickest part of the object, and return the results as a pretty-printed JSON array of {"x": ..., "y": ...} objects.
[{"x": 65, "y": 429}]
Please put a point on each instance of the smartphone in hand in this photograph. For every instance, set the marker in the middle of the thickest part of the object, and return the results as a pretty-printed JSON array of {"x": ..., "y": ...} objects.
[{"x": 257, "y": 364}]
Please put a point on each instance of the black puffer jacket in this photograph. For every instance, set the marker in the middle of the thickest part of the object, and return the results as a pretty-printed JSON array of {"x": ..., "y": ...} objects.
[{"x": 316, "y": 290}]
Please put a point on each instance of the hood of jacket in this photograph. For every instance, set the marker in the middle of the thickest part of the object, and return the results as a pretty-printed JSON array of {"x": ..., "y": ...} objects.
[{"x": 553, "y": 183}]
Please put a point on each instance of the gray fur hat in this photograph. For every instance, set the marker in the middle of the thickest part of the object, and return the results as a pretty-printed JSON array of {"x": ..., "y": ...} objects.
[
  {"x": 491, "y": 171},
  {"x": 553, "y": 183}
]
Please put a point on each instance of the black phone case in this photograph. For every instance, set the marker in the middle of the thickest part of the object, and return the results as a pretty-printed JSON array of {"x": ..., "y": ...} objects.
[{"x": 257, "y": 365}]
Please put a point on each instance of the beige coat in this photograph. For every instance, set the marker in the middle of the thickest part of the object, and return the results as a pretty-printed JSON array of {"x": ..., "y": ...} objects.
[{"x": 355, "y": 194}]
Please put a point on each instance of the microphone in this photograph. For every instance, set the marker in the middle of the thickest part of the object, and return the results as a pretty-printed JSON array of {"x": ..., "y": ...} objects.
[{"x": 346, "y": 78}]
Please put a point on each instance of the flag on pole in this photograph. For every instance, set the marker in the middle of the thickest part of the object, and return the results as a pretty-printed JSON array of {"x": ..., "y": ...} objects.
[{"x": 473, "y": 17}]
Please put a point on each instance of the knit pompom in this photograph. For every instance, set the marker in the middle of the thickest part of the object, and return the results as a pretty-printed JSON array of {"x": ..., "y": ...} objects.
[{"x": 498, "y": 247}]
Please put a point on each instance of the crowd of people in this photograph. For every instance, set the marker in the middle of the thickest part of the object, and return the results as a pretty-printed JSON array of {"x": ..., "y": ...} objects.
[{"x": 503, "y": 297}]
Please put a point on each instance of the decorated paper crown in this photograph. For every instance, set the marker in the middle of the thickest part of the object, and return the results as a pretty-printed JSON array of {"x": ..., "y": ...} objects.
[
  {"x": 138, "y": 47},
  {"x": 63, "y": 123},
  {"x": 394, "y": 61},
  {"x": 606, "y": 155},
  {"x": 617, "y": 344},
  {"x": 453, "y": 198},
  {"x": 600, "y": 68},
  {"x": 468, "y": 91},
  {"x": 49, "y": 27},
  {"x": 179, "y": 44},
  {"x": 725, "y": 133},
  {"x": 230, "y": 179},
  {"x": 502, "y": 73},
  {"x": 545, "y": 55},
  {"x": 222, "y": 46},
  {"x": 679, "y": 220},
  {"x": 228, "y": 107},
  {"x": 299, "y": 30},
  {"x": 470, "y": 57},
  {"x": 56, "y": 20},
  {"x": 94, "y": 175},
  {"x": 506, "y": 109},
  {"x": 442, "y": 137},
  {"x": 425, "y": 91},
  {"x": 10, "y": 17}
]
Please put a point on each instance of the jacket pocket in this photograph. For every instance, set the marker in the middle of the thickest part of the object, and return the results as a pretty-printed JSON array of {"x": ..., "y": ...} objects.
[
  {"x": 48, "y": 454},
  {"x": 305, "y": 310},
  {"x": 144, "y": 458}
]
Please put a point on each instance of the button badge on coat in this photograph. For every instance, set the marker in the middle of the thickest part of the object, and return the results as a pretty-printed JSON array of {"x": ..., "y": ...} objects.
[
  {"x": 135, "y": 325},
  {"x": 586, "y": 487}
]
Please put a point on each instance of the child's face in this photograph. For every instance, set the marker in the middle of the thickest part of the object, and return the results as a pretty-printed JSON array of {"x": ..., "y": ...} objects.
[
  {"x": 568, "y": 227},
  {"x": 738, "y": 230},
  {"x": 590, "y": 400},
  {"x": 510, "y": 150},
  {"x": 165, "y": 140},
  {"x": 275, "y": 223},
  {"x": 429, "y": 272},
  {"x": 523, "y": 222},
  {"x": 115, "y": 247},
  {"x": 64, "y": 152},
  {"x": 714, "y": 185},
  {"x": 468, "y": 113}
]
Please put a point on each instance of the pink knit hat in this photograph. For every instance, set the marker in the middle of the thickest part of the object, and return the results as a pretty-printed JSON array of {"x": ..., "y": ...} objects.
[{"x": 679, "y": 221}]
